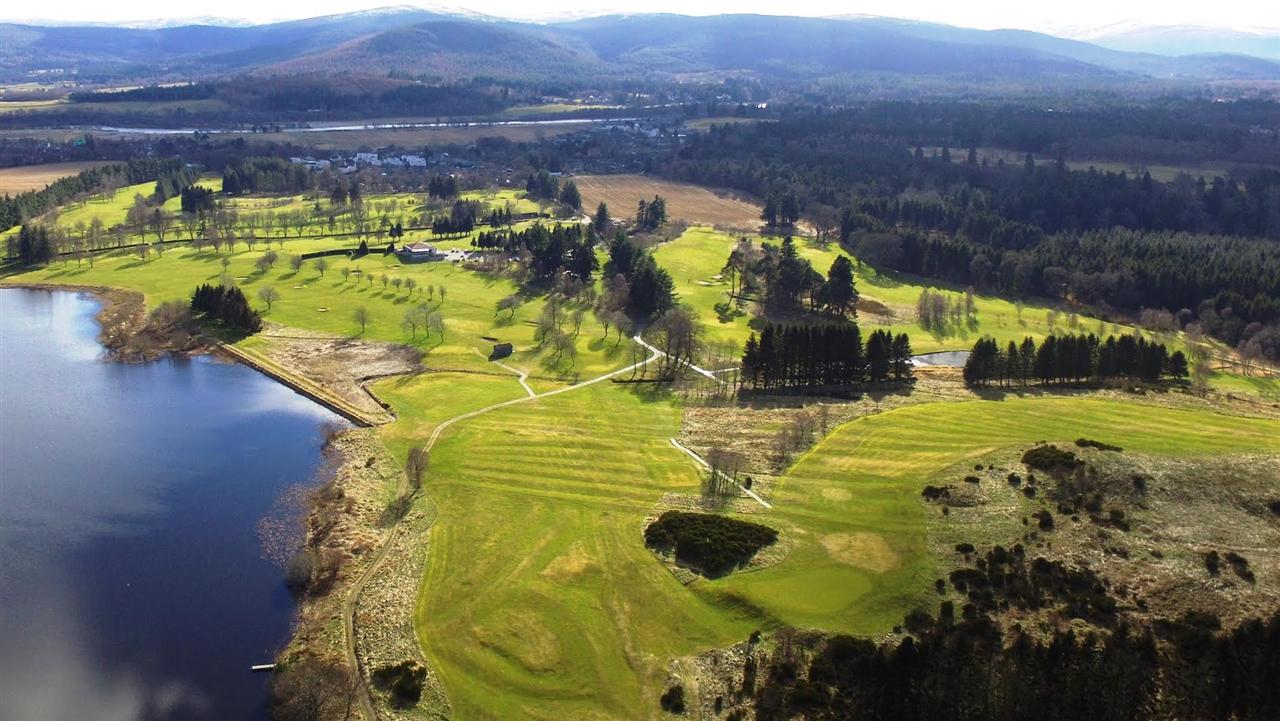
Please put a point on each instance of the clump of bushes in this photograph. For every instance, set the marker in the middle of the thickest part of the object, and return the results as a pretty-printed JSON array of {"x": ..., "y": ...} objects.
[
  {"x": 1005, "y": 577},
  {"x": 933, "y": 493},
  {"x": 672, "y": 700},
  {"x": 711, "y": 544},
  {"x": 403, "y": 681},
  {"x": 918, "y": 621},
  {"x": 1240, "y": 565},
  {"x": 1045, "y": 520},
  {"x": 1051, "y": 458},
  {"x": 312, "y": 572},
  {"x": 226, "y": 305},
  {"x": 1212, "y": 562},
  {"x": 1090, "y": 443}
]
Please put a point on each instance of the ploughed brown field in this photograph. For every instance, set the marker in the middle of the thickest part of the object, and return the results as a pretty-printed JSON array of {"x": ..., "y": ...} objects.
[
  {"x": 35, "y": 177},
  {"x": 692, "y": 203}
]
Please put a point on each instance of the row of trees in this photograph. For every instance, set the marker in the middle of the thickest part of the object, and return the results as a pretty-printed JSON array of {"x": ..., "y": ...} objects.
[
  {"x": 33, "y": 245},
  {"x": 823, "y": 354},
  {"x": 1071, "y": 359},
  {"x": 343, "y": 193},
  {"x": 781, "y": 208},
  {"x": 106, "y": 179},
  {"x": 197, "y": 200}
]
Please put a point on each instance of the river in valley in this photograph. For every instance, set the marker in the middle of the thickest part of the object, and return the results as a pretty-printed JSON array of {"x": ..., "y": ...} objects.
[{"x": 134, "y": 583}]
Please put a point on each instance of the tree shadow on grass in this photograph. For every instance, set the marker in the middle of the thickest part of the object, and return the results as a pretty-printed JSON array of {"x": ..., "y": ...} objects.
[{"x": 655, "y": 392}]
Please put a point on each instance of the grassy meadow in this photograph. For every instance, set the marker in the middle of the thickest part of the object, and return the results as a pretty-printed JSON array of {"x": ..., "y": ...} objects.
[
  {"x": 327, "y": 302},
  {"x": 696, "y": 257}
]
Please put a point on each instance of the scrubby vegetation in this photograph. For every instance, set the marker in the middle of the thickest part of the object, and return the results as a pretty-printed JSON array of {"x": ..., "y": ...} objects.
[
  {"x": 712, "y": 544},
  {"x": 402, "y": 681},
  {"x": 1006, "y": 578},
  {"x": 1051, "y": 458},
  {"x": 1090, "y": 443}
]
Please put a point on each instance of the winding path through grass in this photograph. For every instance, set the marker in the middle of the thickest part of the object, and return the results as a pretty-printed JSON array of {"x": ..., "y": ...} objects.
[{"x": 353, "y": 596}]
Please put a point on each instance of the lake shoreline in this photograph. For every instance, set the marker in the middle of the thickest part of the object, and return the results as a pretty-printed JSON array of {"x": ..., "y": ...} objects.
[
  {"x": 128, "y": 335},
  {"x": 89, "y": 325},
  {"x": 344, "y": 518},
  {"x": 125, "y": 330}
]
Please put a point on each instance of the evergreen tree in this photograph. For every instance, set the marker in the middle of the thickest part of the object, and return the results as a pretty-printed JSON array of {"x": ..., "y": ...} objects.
[
  {"x": 839, "y": 292},
  {"x": 570, "y": 196},
  {"x": 601, "y": 219}
]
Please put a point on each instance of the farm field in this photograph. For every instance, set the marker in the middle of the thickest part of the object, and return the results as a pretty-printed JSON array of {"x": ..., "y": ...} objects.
[
  {"x": 522, "y": 111},
  {"x": 13, "y": 106},
  {"x": 703, "y": 124},
  {"x": 691, "y": 203},
  {"x": 417, "y": 137},
  {"x": 36, "y": 177},
  {"x": 1161, "y": 172}
]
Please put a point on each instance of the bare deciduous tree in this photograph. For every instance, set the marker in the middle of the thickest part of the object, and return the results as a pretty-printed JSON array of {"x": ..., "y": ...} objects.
[
  {"x": 415, "y": 466},
  {"x": 722, "y": 478},
  {"x": 361, "y": 316},
  {"x": 269, "y": 295},
  {"x": 312, "y": 689}
]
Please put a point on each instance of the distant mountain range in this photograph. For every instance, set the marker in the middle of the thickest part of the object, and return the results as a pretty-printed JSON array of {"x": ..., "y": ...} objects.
[
  {"x": 455, "y": 45},
  {"x": 1185, "y": 39}
]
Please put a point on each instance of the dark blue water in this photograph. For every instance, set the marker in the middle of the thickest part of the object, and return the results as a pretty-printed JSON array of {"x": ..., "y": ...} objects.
[{"x": 133, "y": 583}]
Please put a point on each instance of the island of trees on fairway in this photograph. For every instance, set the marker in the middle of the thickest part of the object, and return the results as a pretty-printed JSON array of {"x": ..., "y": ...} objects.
[{"x": 710, "y": 544}]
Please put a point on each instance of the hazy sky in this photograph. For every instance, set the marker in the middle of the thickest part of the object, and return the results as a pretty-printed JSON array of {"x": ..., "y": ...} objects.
[{"x": 1066, "y": 16}]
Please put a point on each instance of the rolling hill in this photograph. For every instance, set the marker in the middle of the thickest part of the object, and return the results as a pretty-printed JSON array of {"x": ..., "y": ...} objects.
[
  {"x": 454, "y": 49},
  {"x": 445, "y": 45}
]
